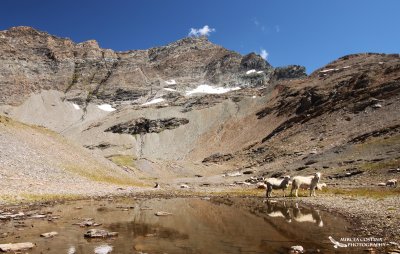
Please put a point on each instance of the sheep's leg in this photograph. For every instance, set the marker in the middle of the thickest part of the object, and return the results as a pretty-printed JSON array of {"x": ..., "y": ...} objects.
[
  {"x": 284, "y": 194},
  {"x": 269, "y": 191},
  {"x": 297, "y": 190},
  {"x": 291, "y": 191},
  {"x": 312, "y": 192}
]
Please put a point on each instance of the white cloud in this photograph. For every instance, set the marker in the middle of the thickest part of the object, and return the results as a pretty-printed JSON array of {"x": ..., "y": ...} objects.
[
  {"x": 255, "y": 21},
  {"x": 258, "y": 24},
  {"x": 264, "y": 54},
  {"x": 205, "y": 31}
]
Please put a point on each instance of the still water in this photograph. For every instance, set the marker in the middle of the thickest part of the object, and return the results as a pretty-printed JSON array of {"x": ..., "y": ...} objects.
[{"x": 195, "y": 225}]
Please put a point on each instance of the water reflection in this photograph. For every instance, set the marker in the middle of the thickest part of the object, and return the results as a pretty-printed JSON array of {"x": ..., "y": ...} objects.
[
  {"x": 231, "y": 225},
  {"x": 71, "y": 250},
  {"x": 103, "y": 249},
  {"x": 293, "y": 212},
  {"x": 278, "y": 210},
  {"x": 307, "y": 215}
]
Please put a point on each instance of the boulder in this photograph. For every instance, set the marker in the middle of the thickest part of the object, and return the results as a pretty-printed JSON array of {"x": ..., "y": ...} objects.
[
  {"x": 297, "y": 249},
  {"x": 49, "y": 234},
  {"x": 161, "y": 213},
  {"x": 99, "y": 233},
  {"x": 16, "y": 246}
]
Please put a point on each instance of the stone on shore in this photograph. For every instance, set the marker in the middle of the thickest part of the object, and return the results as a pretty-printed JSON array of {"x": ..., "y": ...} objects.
[{"x": 16, "y": 246}]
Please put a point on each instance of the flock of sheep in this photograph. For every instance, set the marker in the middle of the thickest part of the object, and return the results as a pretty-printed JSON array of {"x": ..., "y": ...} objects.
[{"x": 304, "y": 182}]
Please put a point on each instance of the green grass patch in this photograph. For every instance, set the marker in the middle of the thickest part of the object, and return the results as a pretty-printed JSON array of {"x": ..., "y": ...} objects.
[{"x": 123, "y": 160}]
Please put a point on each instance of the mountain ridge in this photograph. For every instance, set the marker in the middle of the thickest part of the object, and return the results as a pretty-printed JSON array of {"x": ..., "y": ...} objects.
[{"x": 86, "y": 72}]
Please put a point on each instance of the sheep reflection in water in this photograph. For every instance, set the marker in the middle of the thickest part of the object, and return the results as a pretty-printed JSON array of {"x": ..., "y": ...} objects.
[
  {"x": 278, "y": 210},
  {"x": 293, "y": 213}
]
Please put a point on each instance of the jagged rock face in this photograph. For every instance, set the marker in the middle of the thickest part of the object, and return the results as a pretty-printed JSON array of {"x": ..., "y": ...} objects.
[
  {"x": 33, "y": 61},
  {"x": 217, "y": 158},
  {"x": 144, "y": 125},
  {"x": 290, "y": 72},
  {"x": 253, "y": 61}
]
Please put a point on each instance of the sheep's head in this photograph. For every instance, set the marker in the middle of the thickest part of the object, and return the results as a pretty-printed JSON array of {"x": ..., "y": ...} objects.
[
  {"x": 317, "y": 175},
  {"x": 286, "y": 180}
]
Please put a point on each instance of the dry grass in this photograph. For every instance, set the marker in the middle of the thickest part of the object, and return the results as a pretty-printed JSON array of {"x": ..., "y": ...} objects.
[
  {"x": 31, "y": 197},
  {"x": 377, "y": 193},
  {"x": 50, "y": 197},
  {"x": 381, "y": 141},
  {"x": 363, "y": 192},
  {"x": 123, "y": 160},
  {"x": 386, "y": 164},
  {"x": 103, "y": 175},
  {"x": 238, "y": 192}
]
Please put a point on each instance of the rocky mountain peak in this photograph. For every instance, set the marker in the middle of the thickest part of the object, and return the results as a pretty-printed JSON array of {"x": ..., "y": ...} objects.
[
  {"x": 33, "y": 61},
  {"x": 89, "y": 44},
  {"x": 23, "y": 30},
  {"x": 254, "y": 61}
]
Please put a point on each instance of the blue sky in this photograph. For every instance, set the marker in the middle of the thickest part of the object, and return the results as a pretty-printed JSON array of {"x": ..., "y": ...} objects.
[{"x": 310, "y": 32}]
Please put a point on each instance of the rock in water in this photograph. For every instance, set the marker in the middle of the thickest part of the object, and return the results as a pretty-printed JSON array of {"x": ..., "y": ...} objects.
[
  {"x": 297, "y": 249},
  {"x": 103, "y": 249},
  {"x": 16, "y": 246},
  {"x": 88, "y": 223},
  {"x": 49, "y": 234},
  {"x": 162, "y": 213},
  {"x": 99, "y": 233},
  {"x": 38, "y": 216}
]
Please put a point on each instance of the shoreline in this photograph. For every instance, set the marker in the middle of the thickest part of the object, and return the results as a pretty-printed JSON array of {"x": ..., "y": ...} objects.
[{"x": 368, "y": 217}]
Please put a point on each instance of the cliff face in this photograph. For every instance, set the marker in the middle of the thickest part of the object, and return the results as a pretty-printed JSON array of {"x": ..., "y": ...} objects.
[{"x": 33, "y": 61}]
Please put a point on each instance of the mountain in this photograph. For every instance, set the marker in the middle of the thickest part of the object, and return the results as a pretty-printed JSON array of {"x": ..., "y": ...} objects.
[
  {"x": 33, "y": 61},
  {"x": 195, "y": 108}
]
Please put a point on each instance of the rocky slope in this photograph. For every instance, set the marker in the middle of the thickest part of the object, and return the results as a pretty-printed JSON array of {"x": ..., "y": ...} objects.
[
  {"x": 342, "y": 120},
  {"x": 39, "y": 163},
  {"x": 194, "y": 108}
]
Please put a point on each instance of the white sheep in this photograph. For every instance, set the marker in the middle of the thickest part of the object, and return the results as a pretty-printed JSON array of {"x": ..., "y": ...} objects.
[
  {"x": 319, "y": 186},
  {"x": 311, "y": 181},
  {"x": 391, "y": 183},
  {"x": 276, "y": 184}
]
